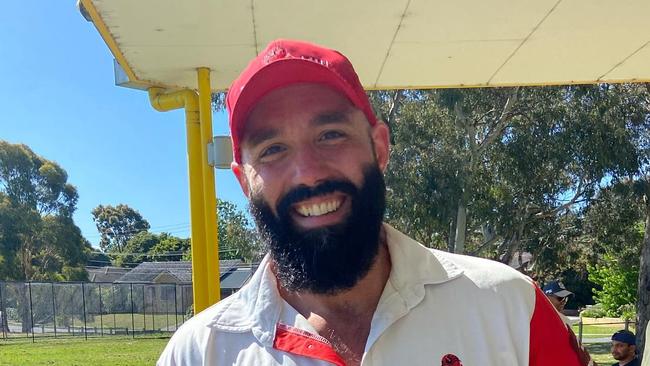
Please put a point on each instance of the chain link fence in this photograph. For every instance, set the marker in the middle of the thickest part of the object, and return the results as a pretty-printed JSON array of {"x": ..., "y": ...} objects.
[{"x": 91, "y": 309}]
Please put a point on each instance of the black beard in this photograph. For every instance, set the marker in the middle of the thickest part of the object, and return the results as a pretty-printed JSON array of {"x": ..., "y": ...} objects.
[{"x": 331, "y": 259}]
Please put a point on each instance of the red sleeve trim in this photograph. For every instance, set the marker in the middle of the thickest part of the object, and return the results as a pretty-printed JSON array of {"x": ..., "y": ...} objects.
[
  {"x": 302, "y": 343},
  {"x": 550, "y": 341}
]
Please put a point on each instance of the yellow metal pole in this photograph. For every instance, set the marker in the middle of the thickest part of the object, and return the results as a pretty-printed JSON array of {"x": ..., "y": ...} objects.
[
  {"x": 209, "y": 192},
  {"x": 186, "y": 98}
]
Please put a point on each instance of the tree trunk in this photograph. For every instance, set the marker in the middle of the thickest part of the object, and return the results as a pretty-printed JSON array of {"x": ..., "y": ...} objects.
[
  {"x": 643, "y": 289},
  {"x": 4, "y": 325},
  {"x": 450, "y": 237},
  {"x": 24, "y": 308},
  {"x": 461, "y": 226}
]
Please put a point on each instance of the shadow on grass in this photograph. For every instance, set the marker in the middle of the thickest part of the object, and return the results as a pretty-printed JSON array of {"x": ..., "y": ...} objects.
[
  {"x": 600, "y": 352},
  {"x": 600, "y": 348}
]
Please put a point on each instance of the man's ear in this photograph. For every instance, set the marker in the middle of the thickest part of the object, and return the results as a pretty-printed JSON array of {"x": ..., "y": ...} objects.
[
  {"x": 238, "y": 169},
  {"x": 380, "y": 138}
]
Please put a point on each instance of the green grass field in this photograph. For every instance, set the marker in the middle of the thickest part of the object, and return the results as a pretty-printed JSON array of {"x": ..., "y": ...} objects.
[
  {"x": 107, "y": 351},
  {"x": 123, "y": 351},
  {"x": 598, "y": 331},
  {"x": 141, "y": 321}
]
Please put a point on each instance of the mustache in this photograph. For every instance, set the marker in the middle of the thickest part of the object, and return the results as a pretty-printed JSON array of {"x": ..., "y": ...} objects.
[{"x": 303, "y": 192}]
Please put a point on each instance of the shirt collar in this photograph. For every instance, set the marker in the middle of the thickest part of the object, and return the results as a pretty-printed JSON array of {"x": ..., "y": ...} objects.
[
  {"x": 257, "y": 306},
  {"x": 415, "y": 265}
]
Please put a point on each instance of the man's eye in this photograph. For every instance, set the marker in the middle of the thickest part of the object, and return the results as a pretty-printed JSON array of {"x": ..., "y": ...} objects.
[
  {"x": 329, "y": 135},
  {"x": 271, "y": 150}
]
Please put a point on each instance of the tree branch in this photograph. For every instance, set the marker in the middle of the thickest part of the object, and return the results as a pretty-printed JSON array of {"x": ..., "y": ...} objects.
[
  {"x": 572, "y": 201},
  {"x": 484, "y": 245},
  {"x": 502, "y": 122},
  {"x": 479, "y": 118},
  {"x": 395, "y": 101}
]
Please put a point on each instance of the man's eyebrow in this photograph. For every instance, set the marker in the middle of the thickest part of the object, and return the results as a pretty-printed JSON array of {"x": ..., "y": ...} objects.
[
  {"x": 255, "y": 138},
  {"x": 330, "y": 117},
  {"x": 260, "y": 136}
]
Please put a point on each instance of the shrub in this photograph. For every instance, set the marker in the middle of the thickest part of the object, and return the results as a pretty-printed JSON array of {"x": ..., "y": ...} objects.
[
  {"x": 628, "y": 311},
  {"x": 593, "y": 311},
  {"x": 617, "y": 284}
]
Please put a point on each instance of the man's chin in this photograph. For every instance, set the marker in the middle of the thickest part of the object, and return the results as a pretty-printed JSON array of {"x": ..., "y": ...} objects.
[{"x": 328, "y": 253}]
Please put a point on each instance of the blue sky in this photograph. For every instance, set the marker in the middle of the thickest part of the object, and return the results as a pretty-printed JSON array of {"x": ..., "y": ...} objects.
[{"x": 58, "y": 97}]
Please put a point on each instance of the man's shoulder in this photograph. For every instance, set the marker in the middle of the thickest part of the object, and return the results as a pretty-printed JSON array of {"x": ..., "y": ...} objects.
[
  {"x": 413, "y": 262},
  {"x": 634, "y": 362},
  {"x": 483, "y": 271},
  {"x": 189, "y": 344},
  {"x": 489, "y": 279},
  {"x": 202, "y": 321}
]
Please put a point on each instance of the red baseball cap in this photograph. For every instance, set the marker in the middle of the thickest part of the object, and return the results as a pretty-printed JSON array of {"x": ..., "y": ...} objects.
[{"x": 285, "y": 62}]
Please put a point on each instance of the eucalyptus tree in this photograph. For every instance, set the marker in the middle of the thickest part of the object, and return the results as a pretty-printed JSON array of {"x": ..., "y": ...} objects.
[
  {"x": 499, "y": 165},
  {"x": 38, "y": 238}
]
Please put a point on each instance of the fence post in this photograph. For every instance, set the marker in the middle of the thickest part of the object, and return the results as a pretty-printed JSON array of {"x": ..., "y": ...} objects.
[
  {"x": 132, "y": 317},
  {"x": 72, "y": 321},
  {"x": 101, "y": 312},
  {"x": 144, "y": 312},
  {"x": 53, "y": 308},
  {"x": 627, "y": 324},
  {"x": 83, "y": 299},
  {"x": 153, "y": 310},
  {"x": 31, "y": 311},
  {"x": 113, "y": 307},
  {"x": 580, "y": 326},
  {"x": 167, "y": 312},
  {"x": 176, "y": 305},
  {"x": 183, "y": 303},
  {"x": 3, "y": 324},
  {"x": 153, "y": 305}
]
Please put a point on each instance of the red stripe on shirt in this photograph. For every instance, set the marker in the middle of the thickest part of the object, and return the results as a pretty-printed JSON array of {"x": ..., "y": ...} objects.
[{"x": 302, "y": 343}]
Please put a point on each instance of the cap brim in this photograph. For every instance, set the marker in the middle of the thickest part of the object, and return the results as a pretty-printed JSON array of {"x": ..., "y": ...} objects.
[{"x": 563, "y": 293}]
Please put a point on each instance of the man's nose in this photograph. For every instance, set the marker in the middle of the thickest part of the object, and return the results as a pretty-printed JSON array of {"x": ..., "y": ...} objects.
[{"x": 309, "y": 167}]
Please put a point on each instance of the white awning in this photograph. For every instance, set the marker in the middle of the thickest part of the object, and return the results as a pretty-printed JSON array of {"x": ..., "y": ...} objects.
[{"x": 392, "y": 43}]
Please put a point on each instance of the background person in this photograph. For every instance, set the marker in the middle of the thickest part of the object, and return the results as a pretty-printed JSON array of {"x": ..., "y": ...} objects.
[
  {"x": 558, "y": 295},
  {"x": 624, "y": 348}
]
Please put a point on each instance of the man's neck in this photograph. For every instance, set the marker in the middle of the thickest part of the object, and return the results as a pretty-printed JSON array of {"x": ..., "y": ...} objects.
[
  {"x": 626, "y": 361},
  {"x": 361, "y": 298},
  {"x": 344, "y": 318}
]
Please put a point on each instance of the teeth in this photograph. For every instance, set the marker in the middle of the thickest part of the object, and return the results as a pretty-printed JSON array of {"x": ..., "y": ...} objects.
[{"x": 318, "y": 209}]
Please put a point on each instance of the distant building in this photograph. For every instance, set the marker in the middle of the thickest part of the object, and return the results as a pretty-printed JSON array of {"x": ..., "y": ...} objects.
[
  {"x": 233, "y": 274},
  {"x": 105, "y": 274},
  {"x": 522, "y": 261}
]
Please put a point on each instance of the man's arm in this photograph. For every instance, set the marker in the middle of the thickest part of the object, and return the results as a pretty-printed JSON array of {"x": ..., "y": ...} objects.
[{"x": 550, "y": 341}]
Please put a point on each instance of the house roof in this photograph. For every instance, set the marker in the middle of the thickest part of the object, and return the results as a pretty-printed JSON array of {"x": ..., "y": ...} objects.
[
  {"x": 147, "y": 272},
  {"x": 105, "y": 274},
  {"x": 236, "y": 278}
]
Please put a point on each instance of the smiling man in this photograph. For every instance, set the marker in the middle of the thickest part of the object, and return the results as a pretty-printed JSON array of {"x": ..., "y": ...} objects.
[{"x": 339, "y": 286}]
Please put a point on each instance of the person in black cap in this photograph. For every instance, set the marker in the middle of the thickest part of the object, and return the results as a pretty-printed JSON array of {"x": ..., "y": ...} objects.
[
  {"x": 558, "y": 295},
  {"x": 624, "y": 348}
]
